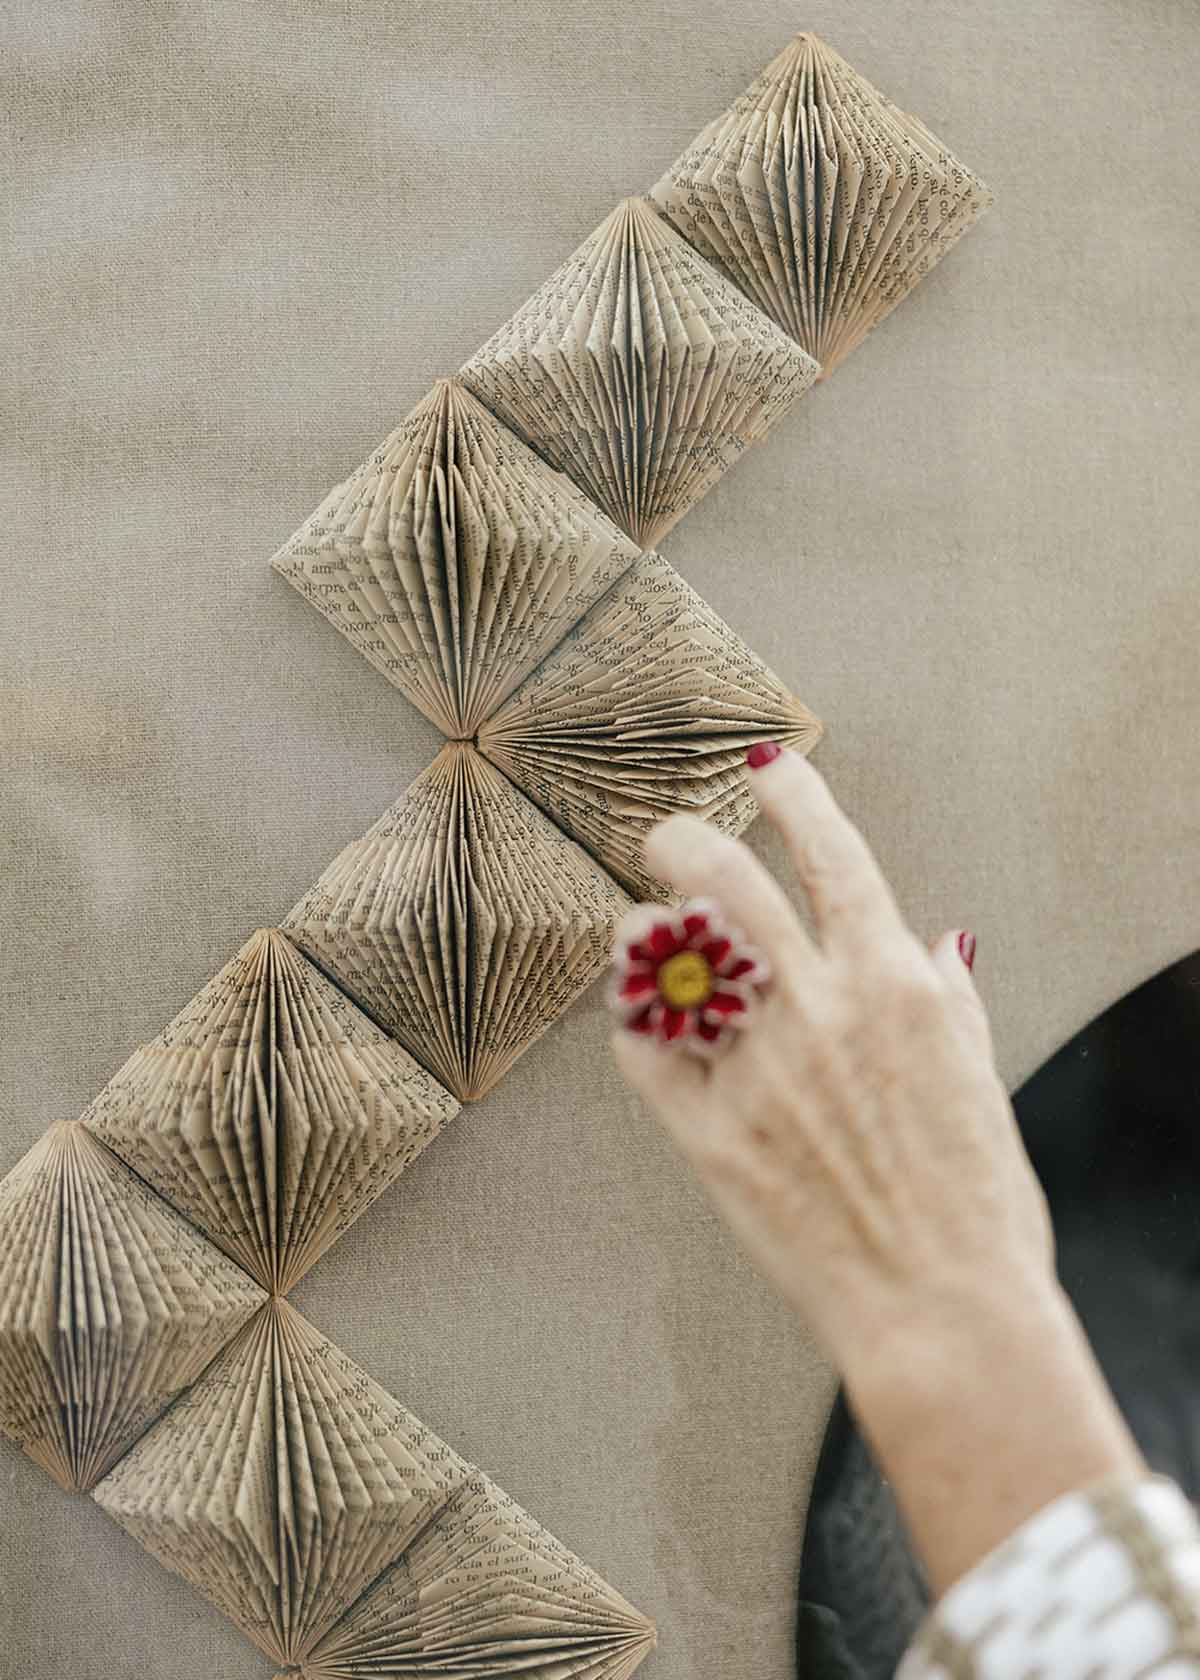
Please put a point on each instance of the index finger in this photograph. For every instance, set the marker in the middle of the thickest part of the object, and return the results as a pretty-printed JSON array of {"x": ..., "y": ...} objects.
[{"x": 699, "y": 861}]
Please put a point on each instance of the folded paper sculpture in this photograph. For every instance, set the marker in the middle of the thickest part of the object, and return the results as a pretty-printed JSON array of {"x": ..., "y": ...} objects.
[
  {"x": 286, "y": 1482},
  {"x": 484, "y": 1591},
  {"x": 110, "y": 1305},
  {"x": 640, "y": 371},
  {"x": 465, "y": 564},
  {"x": 453, "y": 559},
  {"x": 282, "y": 1484},
  {"x": 647, "y": 708},
  {"x": 823, "y": 201},
  {"x": 463, "y": 920},
  {"x": 499, "y": 581},
  {"x": 271, "y": 1112}
]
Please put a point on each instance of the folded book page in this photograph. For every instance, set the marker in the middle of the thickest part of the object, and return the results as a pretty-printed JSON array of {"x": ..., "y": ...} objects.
[
  {"x": 271, "y": 1112},
  {"x": 463, "y": 920},
  {"x": 821, "y": 200},
  {"x": 481, "y": 1593},
  {"x": 282, "y": 1484},
  {"x": 640, "y": 371},
  {"x": 287, "y": 1483},
  {"x": 110, "y": 1304},
  {"x": 645, "y": 709},
  {"x": 454, "y": 559}
]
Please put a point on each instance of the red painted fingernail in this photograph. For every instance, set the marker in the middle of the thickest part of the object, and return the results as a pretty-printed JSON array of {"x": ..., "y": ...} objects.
[
  {"x": 966, "y": 948},
  {"x": 763, "y": 752}
]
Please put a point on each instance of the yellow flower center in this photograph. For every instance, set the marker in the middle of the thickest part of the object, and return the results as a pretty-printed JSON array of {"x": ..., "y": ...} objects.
[{"x": 685, "y": 980}]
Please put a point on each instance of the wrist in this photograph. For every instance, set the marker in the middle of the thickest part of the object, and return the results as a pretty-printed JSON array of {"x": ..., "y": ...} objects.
[
  {"x": 919, "y": 1349},
  {"x": 982, "y": 1409}
]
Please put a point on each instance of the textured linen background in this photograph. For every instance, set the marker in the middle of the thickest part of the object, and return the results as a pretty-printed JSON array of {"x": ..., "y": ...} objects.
[{"x": 239, "y": 243}]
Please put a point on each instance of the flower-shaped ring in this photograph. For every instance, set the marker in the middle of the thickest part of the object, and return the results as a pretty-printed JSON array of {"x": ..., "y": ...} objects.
[{"x": 685, "y": 977}]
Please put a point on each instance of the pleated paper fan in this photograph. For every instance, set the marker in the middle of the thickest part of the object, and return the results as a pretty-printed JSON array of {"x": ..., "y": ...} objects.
[
  {"x": 820, "y": 198},
  {"x": 646, "y": 709},
  {"x": 464, "y": 921},
  {"x": 485, "y": 1592},
  {"x": 454, "y": 558},
  {"x": 110, "y": 1304},
  {"x": 271, "y": 1112},
  {"x": 640, "y": 371},
  {"x": 282, "y": 1484}
]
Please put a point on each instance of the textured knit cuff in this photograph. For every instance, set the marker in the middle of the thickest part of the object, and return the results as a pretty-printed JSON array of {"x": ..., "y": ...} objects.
[{"x": 1103, "y": 1584}]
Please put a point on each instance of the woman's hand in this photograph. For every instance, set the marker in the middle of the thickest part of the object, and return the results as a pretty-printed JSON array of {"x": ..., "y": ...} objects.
[
  {"x": 856, "y": 1136},
  {"x": 859, "y": 1142}
]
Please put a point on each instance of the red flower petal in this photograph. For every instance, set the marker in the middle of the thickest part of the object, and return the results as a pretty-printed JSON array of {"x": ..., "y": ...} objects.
[
  {"x": 695, "y": 924},
  {"x": 724, "y": 1003},
  {"x": 662, "y": 942},
  {"x": 637, "y": 984},
  {"x": 709, "y": 1030},
  {"x": 643, "y": 1023},
  {"x": 716, "y": 951},
  {"x": 674, "y": 1023},
  {"x": 636, "y": 953}
]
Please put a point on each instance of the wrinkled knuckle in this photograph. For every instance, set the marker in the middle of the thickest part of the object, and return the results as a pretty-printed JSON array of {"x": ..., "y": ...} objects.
[
  {"x": 815, "y": 865},
  {"x": 840, "y": 895},
  {"x": 839, "y": 878}
]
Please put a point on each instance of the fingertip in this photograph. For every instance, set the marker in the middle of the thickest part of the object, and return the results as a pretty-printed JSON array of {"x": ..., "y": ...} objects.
[
  {"x": 954, "y": 955},
  {"x": 966, "y": 948},
  {"x": 666, "y": 839},
  {"x": 763, "y": 753},
  {"x": 773, "y": 768}
]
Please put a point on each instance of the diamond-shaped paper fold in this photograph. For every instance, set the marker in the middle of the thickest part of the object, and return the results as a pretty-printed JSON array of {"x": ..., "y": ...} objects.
[
  {"x": 271, "y": 1111},
  {"x": 485, "y": 1592},
  {"x": 464, "y": 921},
  {"x": 645, "y": 709},
  {"x": 454, "y": 558},
  {"x": 820, "y": 198},
  {"x": 282, "y": 1484},
  {"x": 109, "y": 1305},
  {"x": 640, "y": 371}
]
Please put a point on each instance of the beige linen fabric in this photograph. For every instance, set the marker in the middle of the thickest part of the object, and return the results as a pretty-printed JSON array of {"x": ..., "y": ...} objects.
[{"x": 239, "y": 242}]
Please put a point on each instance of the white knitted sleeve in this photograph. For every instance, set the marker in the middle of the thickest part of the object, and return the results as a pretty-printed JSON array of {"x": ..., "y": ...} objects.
[{"x": 1103, "y": 1584}]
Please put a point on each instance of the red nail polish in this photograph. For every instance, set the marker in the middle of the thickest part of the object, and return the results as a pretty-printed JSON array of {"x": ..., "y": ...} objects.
[
  {"x": 966, "y": 948},
  {"x": 763, "y": 752}
]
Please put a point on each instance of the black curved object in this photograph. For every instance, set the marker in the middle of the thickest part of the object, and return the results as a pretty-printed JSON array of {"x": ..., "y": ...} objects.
[{"x": 1112, "y": 1124}]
